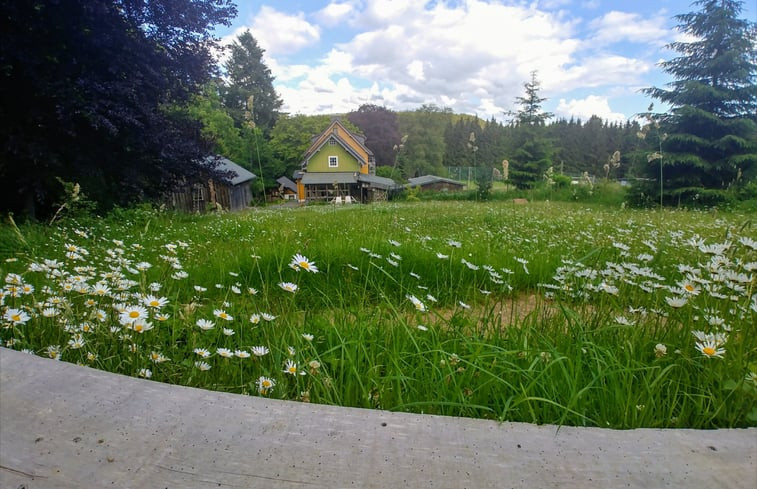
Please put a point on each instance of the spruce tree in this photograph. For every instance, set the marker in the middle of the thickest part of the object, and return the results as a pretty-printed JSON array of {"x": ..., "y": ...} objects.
[
  {"x": 249, "y": 76},
  {"x": 533, "y": 152},
  {"x": 709, "y": 137}
]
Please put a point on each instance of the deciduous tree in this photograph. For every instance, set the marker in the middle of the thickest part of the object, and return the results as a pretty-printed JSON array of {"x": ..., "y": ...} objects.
[
  {"x": 381, "y": 130},
  {"x": 89, "y": 92}
]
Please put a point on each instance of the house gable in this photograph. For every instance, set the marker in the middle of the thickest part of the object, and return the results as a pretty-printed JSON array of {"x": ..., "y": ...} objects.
[
  {"x": 327, "y": 143},
  {"x": 333, "y": 157}
]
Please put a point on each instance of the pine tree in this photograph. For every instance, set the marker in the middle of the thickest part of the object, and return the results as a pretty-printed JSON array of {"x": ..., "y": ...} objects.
[
  {"x": 709, "y": 139},
  {"x": 530, "y": 111}
]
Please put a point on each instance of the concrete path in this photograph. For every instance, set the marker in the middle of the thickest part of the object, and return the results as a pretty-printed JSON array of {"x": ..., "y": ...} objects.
[{"x": 64, "y": 426}]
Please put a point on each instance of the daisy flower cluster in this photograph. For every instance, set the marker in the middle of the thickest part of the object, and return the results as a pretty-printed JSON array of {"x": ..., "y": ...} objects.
[
  {"x": 93, "y": 306},
  {"x": 713, "y": 288}
]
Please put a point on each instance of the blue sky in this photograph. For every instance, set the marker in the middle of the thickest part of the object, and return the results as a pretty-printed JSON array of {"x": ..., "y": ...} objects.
[{"x": 473, "y": 56}]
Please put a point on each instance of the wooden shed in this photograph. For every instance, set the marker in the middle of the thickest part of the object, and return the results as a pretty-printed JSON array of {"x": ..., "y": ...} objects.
[{"x": 203, "y": 194}]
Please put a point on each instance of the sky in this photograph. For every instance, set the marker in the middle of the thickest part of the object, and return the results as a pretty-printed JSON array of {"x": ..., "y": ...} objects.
[{"x": 473, "y": 56}]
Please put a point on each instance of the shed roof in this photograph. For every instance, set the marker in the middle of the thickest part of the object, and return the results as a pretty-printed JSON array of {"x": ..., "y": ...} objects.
[
  {"x": 430, "y": 179},
  {"x": 374, "y": 181},
  {"x": 287, "y": 183},
  {"x": 240, "y": 175}
]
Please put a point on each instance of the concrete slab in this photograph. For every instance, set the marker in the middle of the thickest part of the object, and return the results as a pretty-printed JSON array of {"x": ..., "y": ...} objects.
[{"x": 64, "y": 426}]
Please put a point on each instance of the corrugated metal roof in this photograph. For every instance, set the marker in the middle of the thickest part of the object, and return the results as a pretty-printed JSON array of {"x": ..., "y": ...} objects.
[
  {"x": 328, "y": 178},
  {"x": 378, "y": 182}
]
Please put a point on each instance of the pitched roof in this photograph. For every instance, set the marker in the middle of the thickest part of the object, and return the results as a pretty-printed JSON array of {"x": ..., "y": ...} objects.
[
  {"x": 335, "y": 132},
  {"x": 429, "y": 179},
  {"x": 239, "y": 174}
]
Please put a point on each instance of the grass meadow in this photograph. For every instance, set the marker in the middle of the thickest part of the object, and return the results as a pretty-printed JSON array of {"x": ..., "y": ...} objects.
[{"x": 545, "y": 313}]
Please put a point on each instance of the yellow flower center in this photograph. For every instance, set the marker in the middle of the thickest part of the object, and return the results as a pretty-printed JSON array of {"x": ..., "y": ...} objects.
[
  {"x": 292, "y": 370},
  {"x": 304, "y": 265},
  {"x": 134, "y": 314},
  {"x": 709, "y": 351},
  {"x": 154, "y": 303},
  {"x": 689, "y": 287},
  {"x": 16, "y": 317},
  {"x": 138, "y": 328}
]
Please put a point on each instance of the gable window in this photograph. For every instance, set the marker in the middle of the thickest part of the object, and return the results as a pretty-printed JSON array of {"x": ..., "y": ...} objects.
[
  {"x": 332, "y": 142},
  {"x": 333, "y": 161}
]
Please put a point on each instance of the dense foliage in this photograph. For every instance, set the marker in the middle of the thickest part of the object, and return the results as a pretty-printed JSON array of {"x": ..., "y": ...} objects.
[
  {"x": 88, "y": 92},
  {"x": 380, "y": 127}
]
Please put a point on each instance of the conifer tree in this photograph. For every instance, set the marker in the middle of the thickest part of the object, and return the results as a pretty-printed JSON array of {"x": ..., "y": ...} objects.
[
  {"x": 249, "y": 76},
  {"x": 709, "y": 138},
  {"x": 533, "y": 152}
]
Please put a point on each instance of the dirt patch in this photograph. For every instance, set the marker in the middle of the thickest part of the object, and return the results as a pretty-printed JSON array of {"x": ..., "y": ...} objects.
[{"x": 493, "y": 315}]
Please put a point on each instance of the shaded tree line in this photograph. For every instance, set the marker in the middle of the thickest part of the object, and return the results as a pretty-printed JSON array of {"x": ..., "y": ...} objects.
[{"x": 126, "y": 99}]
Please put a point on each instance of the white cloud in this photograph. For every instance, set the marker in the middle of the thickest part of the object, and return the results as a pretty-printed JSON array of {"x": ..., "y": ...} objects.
[
  {"x": 615, "y": 26},
  {"x": 382, "y": 12},
  {"x": 471, "y": 56},
  {"x": 601, "y": 70},
  {"x": 282, "y": 33},
  {"x": 335, "y": 13},
  {"x": 587, "y": 107},
  {"x": 415, "y": 69},
  {"x": 460, "y": 53}
]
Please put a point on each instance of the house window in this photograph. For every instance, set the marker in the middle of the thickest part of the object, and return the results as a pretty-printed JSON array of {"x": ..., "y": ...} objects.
[
  {"x": 332, "y": 142},
  {"x": 333, "y": 161}
]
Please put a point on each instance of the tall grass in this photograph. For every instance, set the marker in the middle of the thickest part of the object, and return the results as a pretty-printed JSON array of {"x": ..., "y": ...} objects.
[{"x": 547, "y": 313}]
